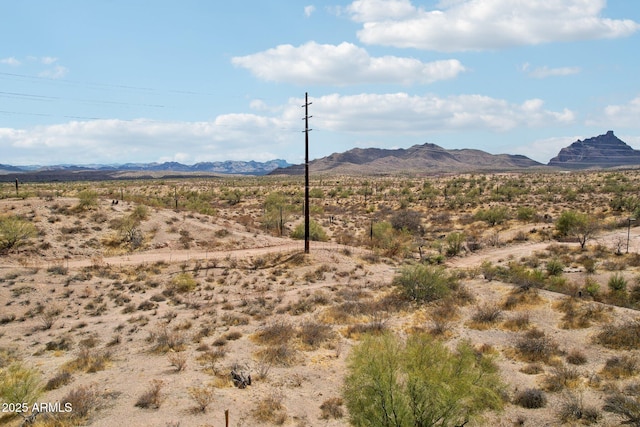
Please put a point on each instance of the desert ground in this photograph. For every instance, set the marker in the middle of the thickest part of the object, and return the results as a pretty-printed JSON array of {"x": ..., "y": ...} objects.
[{"x": 135, "y": 313}]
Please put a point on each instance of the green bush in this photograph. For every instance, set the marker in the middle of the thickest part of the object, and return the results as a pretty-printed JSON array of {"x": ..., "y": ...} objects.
[
  {"x": 425, "y": 283},
  {"x": 493, "y": 216},
  {"x": 14, "y": 231},
  {"x": 617, "y": 283},
  {"x": 87, "y": 200},
  {"x": 316, "y": 232},
  {"x": 19, "y": 384},
  {"x": 555, "y": 267},
  {"x": 390, "y": 241},
  {"x": 183, "y": 282},
  {"x": 454, "y": 241},
  {"x": 418, "y": 383}
]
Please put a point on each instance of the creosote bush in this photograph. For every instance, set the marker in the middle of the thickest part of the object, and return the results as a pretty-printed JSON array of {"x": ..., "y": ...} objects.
[
  {"x": 183, "y": 283},
  {"x": 425, "y": 283},
  {"x": 531, "y": 398}
]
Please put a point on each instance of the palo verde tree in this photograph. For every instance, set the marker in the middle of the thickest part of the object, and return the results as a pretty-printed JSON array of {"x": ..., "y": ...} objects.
[
  {"x": 276, "y": 212},
  {"x": 576, "y": 225},
  {"x": 418, "y": 383}
]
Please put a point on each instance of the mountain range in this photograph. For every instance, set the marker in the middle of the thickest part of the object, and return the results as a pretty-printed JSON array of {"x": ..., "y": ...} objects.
[
  {"x": 602, "y": 151},
  {"x": 136, "y": 170}
]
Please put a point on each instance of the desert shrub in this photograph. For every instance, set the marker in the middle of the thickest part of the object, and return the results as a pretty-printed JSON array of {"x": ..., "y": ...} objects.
[
  {"x": 573, "y": 410},
  {"x": 391, "y": 242},
  {"x": 617, "y": 283},
  {"x": 561, "y": 376},
  {"x": 275, "y": 333},
  {"x": 165, "y": 340},
  {"x": 139, "y": 213},
  {"x": 536, "y": 347},
  {"x": 526, "y": 213},
  {"x": 519, "y": 322},
  {"x": 62, "y": 378},
  {"x": 493, "y": 216},
  {"x": 618, "y": 367},
  {"x": 279, "y": 355},
  {"x": 418, "y": 382},
  {"x": 425, "y": 283},
  {"x": 625, "y": 336},
  {"x": 19, "y": 384},
  {"x": 316, "y": 232},
  {"x": 14, "y": 232},
  {"x": 454, "y": 243},
  {"x": 531, "y": 398},
  {"x": 555, "y": 267},
  {"x": 313, "y": 333},
  {"x": 202, "y": 396},
  {"x": 407, "y": 220},
  {"x": 332, "y": 408},
  {"x": 270, "y": 410},
  {"x": 592, "y": 287},
  {"x": 589, "y": 265},
  {"x": 178, "y": 360},
  {"x": 183, "y": 283},
  {"x": 576, "y": 357},
  {"x": 487, "y": 314},
  {"x": 87, "y": 199},
  {"x": 532, "y": 369},
  {"x": 152, "y": 397},
  {"x": 83, "y": 400},
  {"x": 89, "y": 360},
  {"x": 625, "y": 405}
]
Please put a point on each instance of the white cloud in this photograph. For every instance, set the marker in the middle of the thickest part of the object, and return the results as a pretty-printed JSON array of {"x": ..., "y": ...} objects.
[
  {"x": 342, "y": 64},
  {"x": 400, "y": 112},
  {"x": 48, "y": 60},
  {"x": 544, "y": 72},
  {"x": 484, "y": 24},
  {"x": 308, "y": 10},
  {"x": 272, "y": 130},
  {"x": 10, "y": 61},
  {"x": 379, "y": 10},
  {"x": 228, "y": 137},
  {"x": 615, "y": 116},
  {"x": 56, "y": 72}
]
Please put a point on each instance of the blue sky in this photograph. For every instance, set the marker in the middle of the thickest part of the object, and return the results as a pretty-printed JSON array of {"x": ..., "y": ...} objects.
[{"x": 118, "y": 81}]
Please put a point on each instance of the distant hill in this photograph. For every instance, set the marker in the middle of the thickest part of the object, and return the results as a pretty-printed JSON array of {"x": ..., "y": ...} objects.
[
  {"x": 130, "y": 170},
  {"x": 603, "y": 151},
  {"x": 416, "y": 159}
]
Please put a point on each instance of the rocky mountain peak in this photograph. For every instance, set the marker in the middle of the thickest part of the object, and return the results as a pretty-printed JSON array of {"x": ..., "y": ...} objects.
[{"x": 601, "y": 151}]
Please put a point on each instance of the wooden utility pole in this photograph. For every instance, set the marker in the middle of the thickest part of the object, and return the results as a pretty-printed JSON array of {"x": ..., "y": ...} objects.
[{"x": 306, "y": 171}]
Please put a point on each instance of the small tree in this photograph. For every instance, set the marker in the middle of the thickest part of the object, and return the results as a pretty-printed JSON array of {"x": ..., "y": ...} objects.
[
  {"x": 407, "y": 220},
  {"x": 418, "y": 383},
  {"x": 577, "y": 225}
]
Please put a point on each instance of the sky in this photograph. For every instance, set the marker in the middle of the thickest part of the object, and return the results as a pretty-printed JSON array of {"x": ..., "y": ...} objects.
[{"x": 120, "y": 81}]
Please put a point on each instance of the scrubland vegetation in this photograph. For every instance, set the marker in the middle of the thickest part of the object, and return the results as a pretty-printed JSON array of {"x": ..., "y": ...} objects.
[{"x": 507, "y": 299}]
